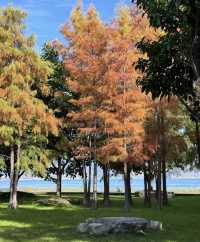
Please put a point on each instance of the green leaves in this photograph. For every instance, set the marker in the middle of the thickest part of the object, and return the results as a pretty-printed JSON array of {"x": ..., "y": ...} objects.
[
  {"x": 34, "y": 158},
  {"x": 6, "y": 134},
  {"x": 24, "y": 119}
]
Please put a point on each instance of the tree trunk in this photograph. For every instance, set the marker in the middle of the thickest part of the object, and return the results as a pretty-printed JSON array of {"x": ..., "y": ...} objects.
[
  {"x": 106, "y": 200},
  {"x": 127, "y": 204},
  {"x": 163, "y": 158},
  {"x": 89, "y": 183},
  {"x": 14, "y": 175},
  {"x": 165, "y": 195},
  {"x": 195, "y": 27},
  {"x": 89, "y": 175},
  {"x": 159, "y": 190},
  {"x": 94, "y": 204},
  {"x": 13, "y": 195},
  {"x": 85, "y": 198},
  {"x": 12, "y": 167},
  {"x": 159, "y": 157},
  {"x": 149, "y": 191},
  {"x": 198, "y": 140},
  {"x": 145, "y": 188},
  {"x": 147, "y": 184},
  {"x": 59, "y": 179},
  {"x": 129, "y": 186}
]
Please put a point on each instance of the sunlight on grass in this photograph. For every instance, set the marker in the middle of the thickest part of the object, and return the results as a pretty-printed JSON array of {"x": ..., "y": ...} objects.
[
  {"x": 34, "y": 223},
  {"x": 13, "y": 225}
]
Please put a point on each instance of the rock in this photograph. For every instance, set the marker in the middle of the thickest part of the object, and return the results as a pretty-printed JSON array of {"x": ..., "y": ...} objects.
[
  {"x": 153, "y": 194},
  {"x": 53, "y": 201},
  {"x": 154, "y": 225},
  {"x": 82, "y": 227},
  {"x": 171, "y": 195},
  {"x": 140, "y": 232},
  {"x": 104, "y": 225},
  {"x": 98, "y": 228},
  {"x": 141, "y": 194}
]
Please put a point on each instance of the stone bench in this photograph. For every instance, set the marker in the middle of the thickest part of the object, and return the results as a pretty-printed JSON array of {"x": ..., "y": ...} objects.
[
  {"x": 52, "y": 202},
  {"x": 100, "y": 226}
]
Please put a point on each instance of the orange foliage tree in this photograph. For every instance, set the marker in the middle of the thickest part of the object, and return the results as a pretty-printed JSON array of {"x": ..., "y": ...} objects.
[
  {"x": 164, "y": 143},
  {"x": 23, "y": 117},
  {"x": 84, "y": 58},
  {"x": 127, "y": 105},
  {"x": 111, "y": 108}
]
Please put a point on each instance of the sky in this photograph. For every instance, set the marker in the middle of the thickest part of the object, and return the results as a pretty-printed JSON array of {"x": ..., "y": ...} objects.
[{"x": 45, "y": 17}]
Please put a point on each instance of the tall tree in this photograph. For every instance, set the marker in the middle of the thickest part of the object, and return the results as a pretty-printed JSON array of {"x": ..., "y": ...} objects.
[
  {"x": 84, "y": 58},
  {"x": 21, "y": 113},
  {"x": 165, "y": 142},
  {"x": 111, "y": 107},
  {"x": 57, "y": 100},
  {"x": 172, "y": 66},
  {"x": 127, "y": 106}
]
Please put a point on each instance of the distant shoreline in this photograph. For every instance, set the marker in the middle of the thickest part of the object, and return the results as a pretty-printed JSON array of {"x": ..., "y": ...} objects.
[
  {"x": 111, "y": 178},
  {"x": 181, "y": 185},
  {"x": 193, "y": 191}
]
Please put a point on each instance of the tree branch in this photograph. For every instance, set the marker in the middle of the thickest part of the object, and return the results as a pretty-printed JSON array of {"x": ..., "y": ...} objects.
[
  {"x": 195, "y": 116},
  {"x": 21, "y": 174}
]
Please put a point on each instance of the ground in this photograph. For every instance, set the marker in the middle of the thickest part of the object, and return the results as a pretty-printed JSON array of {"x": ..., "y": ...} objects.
[{"x": 41, "y": 224}]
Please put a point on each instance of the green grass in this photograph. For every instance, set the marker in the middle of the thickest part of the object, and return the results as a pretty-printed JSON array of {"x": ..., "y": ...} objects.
[{"x": 39, "y": 223}]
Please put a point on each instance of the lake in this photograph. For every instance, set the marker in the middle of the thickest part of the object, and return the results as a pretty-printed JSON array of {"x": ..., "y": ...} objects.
[{"x": 116, "y": 184}]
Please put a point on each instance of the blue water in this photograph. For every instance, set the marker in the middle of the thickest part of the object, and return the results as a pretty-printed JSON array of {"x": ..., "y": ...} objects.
[{"x": 115, "y": 184}]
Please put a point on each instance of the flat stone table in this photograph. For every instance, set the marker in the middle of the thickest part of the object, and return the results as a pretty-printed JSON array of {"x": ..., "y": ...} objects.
[{"x": 104, "y": 225}]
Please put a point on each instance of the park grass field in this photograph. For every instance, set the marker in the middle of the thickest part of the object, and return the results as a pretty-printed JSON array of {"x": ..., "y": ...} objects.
[{"x": 41, "y": 224}]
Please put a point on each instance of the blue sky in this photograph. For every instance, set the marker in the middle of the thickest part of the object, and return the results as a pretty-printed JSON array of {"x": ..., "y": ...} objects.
[{"x": 45, "y": 17}]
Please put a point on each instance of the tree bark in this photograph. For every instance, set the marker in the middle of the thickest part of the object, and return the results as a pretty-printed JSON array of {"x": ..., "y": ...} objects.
[
  {"x": 129, "y": 186},
  {"x": 89, "y": 175},
  {"x": 158, "y": 159},
  {"x": 14, "y": 175},
  {"x": 145, "y": 188},
  {"x": 59, "y": 179},
  {"x": 106, "y": 179},
  {"x": 198, "y": 140},
  {"x": 127, "y": 204},
  {"x": 149, "y": 191},
  {"x": 159, "y": 190},
  {"x": 12, "y": 166},
  {"x": 85, "y": 198},
  {"x": 94, "y": 202},
  {"x": 89, "y": 183},
  {"x": 165, "y": 195},
  {"x": 149, "y": 185},
  {"x": 163, "y": 158}
]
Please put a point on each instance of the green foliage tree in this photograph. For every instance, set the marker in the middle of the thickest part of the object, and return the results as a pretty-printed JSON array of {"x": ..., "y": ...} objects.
[
  {"x": 172, "y": 66},
  {"x": 57, "y": 100}
]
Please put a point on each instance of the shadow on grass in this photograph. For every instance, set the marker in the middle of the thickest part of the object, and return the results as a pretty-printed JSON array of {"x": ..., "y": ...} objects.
[{"x": 39, "y": 223}]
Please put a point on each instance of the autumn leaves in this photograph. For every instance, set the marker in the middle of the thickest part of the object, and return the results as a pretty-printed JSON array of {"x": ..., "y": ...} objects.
[
  {"x": 24, "y": 118},
  {"x": 111, "y": 108},
  {"x": 96, "y": 68}
]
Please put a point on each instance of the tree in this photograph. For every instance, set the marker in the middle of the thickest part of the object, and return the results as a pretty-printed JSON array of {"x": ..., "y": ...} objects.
[
  {"x": 126, "y": 104},
  {"x": 111, "y": 107},
  {"x": 84, "y": 58},
  {"x": 23, "y": 117},
  {"x": 166, "y": 143},
  {"x": 58, "y": 100},
  {"x": 179, "y": 21},
  {"x": 172, "y": 66}
]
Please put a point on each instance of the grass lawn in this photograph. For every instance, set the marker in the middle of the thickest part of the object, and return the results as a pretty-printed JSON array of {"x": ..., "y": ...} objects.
[{"x": 30, "y": 222}]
